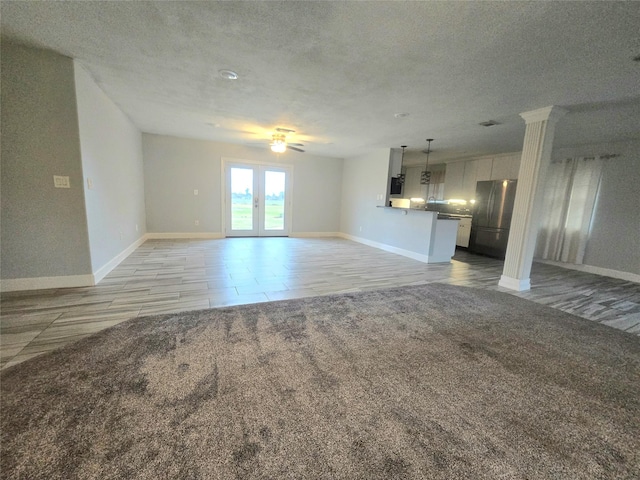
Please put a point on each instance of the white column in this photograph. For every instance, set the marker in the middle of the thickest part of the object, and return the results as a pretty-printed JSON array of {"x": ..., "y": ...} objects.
[{"x": 536, "y": 155}]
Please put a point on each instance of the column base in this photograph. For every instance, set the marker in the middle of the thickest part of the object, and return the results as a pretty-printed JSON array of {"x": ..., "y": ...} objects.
[{"x": 517, "y": 284}]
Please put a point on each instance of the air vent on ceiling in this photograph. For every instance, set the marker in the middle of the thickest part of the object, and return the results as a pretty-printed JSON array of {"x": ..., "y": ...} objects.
[{"x": 489, "y": 123}]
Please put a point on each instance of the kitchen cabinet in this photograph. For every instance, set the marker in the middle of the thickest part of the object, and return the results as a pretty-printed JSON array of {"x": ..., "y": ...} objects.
[
  {"x": 461, "y": 177},
  {"x": 483, "y": 169},
  {"x": 505, "y": 167},
  {"x": 395, "y": 165},
  {"x": 464, "y": 232},
  {"x": 453, "y": 180},
  {"x": 412, "y": 186},
  {"x": 460, "y": 180},
  {"x": 469, "y": 180}
]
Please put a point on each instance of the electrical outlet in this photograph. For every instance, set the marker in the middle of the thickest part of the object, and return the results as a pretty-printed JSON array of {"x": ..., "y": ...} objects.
[
  {"x": 60, "y": 181},
  {"x": 197, "y": 222}
]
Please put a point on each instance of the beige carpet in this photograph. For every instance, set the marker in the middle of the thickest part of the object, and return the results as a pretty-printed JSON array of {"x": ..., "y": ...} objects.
[{"x": 423, "y": 382}]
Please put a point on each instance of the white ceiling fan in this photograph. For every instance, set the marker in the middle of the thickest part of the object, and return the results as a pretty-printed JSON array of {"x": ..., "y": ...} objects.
[{"x": 279, "y": 142}]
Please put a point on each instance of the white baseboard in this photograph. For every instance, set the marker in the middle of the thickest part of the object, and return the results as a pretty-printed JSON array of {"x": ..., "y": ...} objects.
[
  {"x": 519, "y": 285},
  {"x": 606, "y": 272},
  {"x": 182, "y": 235},
  {"x": 314, "y": 234},
  {"x": 387, "y": 248},
  {"x": 69, "y": 281},
  {"x": 115, "y": 261},
  {"x": 45, "y": 283}
]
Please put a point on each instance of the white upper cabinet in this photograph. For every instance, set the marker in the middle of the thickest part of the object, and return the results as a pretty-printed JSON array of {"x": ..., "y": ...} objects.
[
  {"x": 470, "y": 179},
  {"x": 505, "y": 167},
  {"x": 483, "y": 170},
  {"x": 395, "y": 163},
  {"x": 461, "y": 177},
  {"x": 412, "y": 187},
  {"x": 454, "y": 180}
]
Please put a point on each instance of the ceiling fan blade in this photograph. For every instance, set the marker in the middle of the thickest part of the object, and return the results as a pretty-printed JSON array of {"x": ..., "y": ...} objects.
[
  {"x": 294, "y": 148},
  {"x": 296, "y": 144},
  {"x": 284, "y": 130}
]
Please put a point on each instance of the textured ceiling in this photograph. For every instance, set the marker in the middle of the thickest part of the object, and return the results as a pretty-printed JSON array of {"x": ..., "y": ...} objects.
[{"x": 337, "y": 72}]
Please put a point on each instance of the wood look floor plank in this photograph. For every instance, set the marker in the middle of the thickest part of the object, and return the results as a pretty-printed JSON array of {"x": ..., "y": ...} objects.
[{"x": 168, "y": 276}]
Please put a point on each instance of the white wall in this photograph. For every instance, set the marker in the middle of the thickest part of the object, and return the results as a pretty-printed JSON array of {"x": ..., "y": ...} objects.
[
  {"x": 365, "y": 178},
  {"x": 44, "y": 229},
  {"x": 175, "y": 167},
  {"x": 411, "y": 233},
  {"x": 111, "y": 149},
  {"x": 615, "y": 232}
]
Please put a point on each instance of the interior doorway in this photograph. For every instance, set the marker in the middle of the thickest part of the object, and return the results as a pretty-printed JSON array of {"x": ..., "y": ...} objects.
[{"x": 257, "y": 200}]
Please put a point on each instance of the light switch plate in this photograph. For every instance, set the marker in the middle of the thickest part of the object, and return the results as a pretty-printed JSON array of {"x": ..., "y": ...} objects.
[
  {"x": 60, "y": 181},
  {"x": 89, "y": 183}
]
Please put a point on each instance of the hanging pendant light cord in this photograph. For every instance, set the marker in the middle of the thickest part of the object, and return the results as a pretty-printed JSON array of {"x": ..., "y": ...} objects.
[
  {"x": 401, "y": 175},
  {"x": 426, "y": 176}
]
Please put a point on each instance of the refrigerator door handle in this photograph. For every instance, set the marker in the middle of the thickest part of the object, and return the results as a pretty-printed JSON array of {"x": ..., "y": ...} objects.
[{"x": 490, "y": 206}]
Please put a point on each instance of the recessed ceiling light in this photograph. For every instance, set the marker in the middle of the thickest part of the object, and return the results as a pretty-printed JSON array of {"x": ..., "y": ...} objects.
[
  {"x": 400, "y": 115},
  {"x": 228, "y": 74}
]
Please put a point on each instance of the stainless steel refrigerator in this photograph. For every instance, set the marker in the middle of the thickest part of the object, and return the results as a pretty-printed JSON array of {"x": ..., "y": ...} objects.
[{"x": 492, "y": 217}]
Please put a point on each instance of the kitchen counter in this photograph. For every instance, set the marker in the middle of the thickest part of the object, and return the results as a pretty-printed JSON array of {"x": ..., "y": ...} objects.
[
  {"x": 464, "y": 227},
  {"x": 415, "y": 233}
]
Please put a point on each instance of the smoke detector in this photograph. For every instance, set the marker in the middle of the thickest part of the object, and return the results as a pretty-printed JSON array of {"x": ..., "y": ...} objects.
[{"x": 228, "y": 74}]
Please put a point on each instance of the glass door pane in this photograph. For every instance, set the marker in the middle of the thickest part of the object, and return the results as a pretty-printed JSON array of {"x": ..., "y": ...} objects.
[
  {"x": 257, "y": 200},
  {"x": 242, "y": 201},
  {"x": 274, "y": 200}
]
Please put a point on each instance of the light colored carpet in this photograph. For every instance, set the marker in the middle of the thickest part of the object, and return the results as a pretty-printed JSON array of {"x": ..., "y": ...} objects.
[{"x": 432, "y": 381}]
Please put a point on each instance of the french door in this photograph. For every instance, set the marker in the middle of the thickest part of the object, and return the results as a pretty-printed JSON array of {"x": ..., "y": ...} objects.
[{"x": 257, "y": 200}]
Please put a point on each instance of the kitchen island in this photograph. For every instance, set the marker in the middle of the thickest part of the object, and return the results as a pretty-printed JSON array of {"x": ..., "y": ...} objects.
[{"x": 414, "y": 233}]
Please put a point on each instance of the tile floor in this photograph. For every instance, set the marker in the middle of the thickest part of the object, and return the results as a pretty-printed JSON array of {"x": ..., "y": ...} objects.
[{"x": 164, "y": 276}]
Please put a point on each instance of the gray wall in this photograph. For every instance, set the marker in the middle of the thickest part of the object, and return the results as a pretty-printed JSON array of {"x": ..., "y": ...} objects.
[
  {"x": 175, "y": 167},
  {"x": 365, "y": 180},
  {"x": 615, "y": 223},
  {"x": 44, "y": 229},
  {"x": 409, "y": 232},
  {"x": 112, "y": 159},
  {"x": 614, "y": 242}
]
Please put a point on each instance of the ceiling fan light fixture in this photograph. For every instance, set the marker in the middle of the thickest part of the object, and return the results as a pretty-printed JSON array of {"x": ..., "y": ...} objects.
[
  {"x": 279, "y": 143},
  {"x": 278, "y": 147}
]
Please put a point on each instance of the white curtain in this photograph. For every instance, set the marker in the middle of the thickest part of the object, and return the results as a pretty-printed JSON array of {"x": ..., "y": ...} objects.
[{"x": 569, "y": 201}]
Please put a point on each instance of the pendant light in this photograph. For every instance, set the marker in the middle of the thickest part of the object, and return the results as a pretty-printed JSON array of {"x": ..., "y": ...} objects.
[
  {"x": 425, "y": 176},
  {"x": 401, "y": 175}
]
